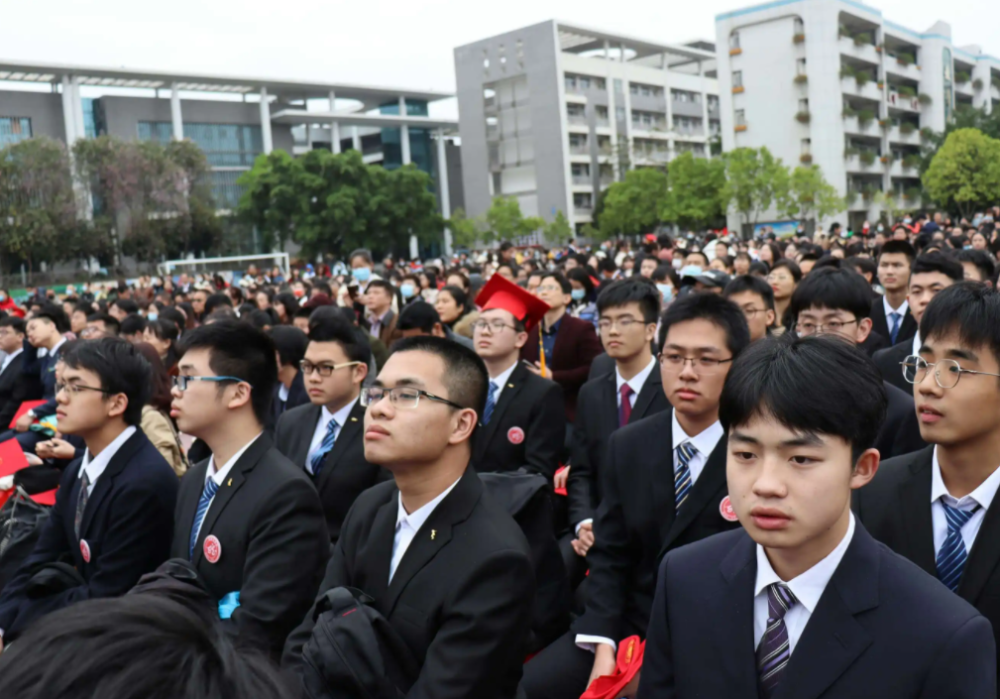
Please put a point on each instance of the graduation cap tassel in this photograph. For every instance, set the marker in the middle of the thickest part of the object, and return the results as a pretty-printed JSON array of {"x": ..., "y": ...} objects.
[{"x": 541, "y": 352}]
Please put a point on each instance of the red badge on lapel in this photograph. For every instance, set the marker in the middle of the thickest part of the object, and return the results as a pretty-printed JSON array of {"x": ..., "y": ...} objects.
[
  {"x": 515, "y": 435},
  {"x": 85, "y": 550},
  {"x": 213, "y": 549},
  {"x": 726, "y": 510}
]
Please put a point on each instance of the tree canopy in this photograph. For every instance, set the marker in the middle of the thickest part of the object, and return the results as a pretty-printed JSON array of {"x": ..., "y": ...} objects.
[{"x": 964, "y": 174}]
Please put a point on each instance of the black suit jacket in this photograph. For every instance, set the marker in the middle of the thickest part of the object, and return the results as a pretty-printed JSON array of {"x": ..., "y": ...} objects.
[
  {"x": 15, "y": 388},
  {"x": 637, "y": 523},
  {"x": 596, "y": 420},
  {"x": 345, "y": 473},
  {"x": 41, "y": 372},
  {"x": 896, "y": 508},
  {"x": 461, "y": 597},
  {"x": 297, "y": 395},
  {"x": 269, "y": 523},
  {"x": 527, "y": 429},
  {"x": 575, "y": 348},
  {"x": 888, "y": 362},
  {"x": 882, "y": 628},
  {"x": 127, "y": 524},
  {"x": 900, "y": 433},
  {"x": 907, "y": 328}
]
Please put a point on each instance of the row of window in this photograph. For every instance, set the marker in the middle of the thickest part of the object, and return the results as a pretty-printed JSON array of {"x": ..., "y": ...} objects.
[
  {"x": 14, "y": 129},
  {"x": 225, "y": 145},
  {"x": 798, "y": 27}
]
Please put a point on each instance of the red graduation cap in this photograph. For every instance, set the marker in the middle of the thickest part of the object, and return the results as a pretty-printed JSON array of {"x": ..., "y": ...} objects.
[{"x": 500, "y": 293}]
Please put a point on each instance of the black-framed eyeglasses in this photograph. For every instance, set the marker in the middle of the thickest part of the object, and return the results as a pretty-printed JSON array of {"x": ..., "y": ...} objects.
[
  {"x": 324, "y": 370},
  {"x": 751, "y": 312},
  {"x": 706, "y": 365},
  {"x": 623, "y": 324},
  {"x": 73, "y": 389},
  {"x": 181, "y": 382},
  {"x": 947, "y": 372},
  {"x": 405, "y": 397},
  {"x": 832, "y": 326},
  {"x": 496, "y": 326}
]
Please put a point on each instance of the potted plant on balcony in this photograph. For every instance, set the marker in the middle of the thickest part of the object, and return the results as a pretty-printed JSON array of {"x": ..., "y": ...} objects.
[
  {"x": 867, "y": 192},
  {"x": 924, "y": 98},
  {"x": 801, "y": 78},
  {"x": 926, "y": 133},
  {"x": 806, "y": 158},
  {"x": 911, "y": 161},
  {"x": 846, "y": 72},
  {"x": 885, "y": 159},
  {"x": 861, "y": 78},
  {"x": 849, "y": 111},
  {"x": 912, "y": 194},
  {"x": 843, "y": 32},
  {"x": 977, "y": 84},
  {"x": 906, "y": 91},
  {"x": 865, "y": 116},
  {"x": 884, "y": 123},
  {"x": 962, "y": 77},
  {"x": 802, "y": 117},
  {"x": 798, "y": 38},
  {"x": 905, "y": 59},
  {"x": 852, "y": 196},
  {"x": 881, "y": 84},
  {"x": 866, "y": 157},
  {"x": 850, "y": 151},
  {"x": 862, "y": 38},
  {"x": 878, "y": 48}
]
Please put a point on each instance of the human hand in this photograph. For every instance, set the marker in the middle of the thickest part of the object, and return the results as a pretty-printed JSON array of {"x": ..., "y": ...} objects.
[
  {"x": 24, "y": 422},
  {"x": 55, "y": 449},
  {"x": 559, "y": 481},
  {"x": 604, "y": 662},
  {"x": 632, "y": 688},
  {"x": 585, "y": 539}
]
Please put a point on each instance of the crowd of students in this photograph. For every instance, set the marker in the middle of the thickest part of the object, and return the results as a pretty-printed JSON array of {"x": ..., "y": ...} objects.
[{"x": 671, "y": 468}]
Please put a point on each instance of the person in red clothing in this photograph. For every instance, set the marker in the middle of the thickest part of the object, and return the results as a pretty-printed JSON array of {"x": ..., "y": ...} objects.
[
  {"x": 7, "y": 304},
  {"x": 569, "y": 344}
]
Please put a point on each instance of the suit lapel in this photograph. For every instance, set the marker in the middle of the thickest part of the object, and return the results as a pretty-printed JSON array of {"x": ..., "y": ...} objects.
[
  {"x": 915, "y": 511},
  {"x": 650, "y": 389},
  {"x": 349, "y": 431},
  {"x": 103, "y": 486},
  {"x": 984, "y": 556},
  {"x": 375, "y": 556},
  {"x": 304, "y": 431},
  {"x": 711, "y": 479},
  {"x": 661, "y": 476},
  {"x": 609, "y": 403},
  {"x": 182, "y": 528},
  {"x": 507, "y": 398},
  {"x": 736, "y": 657}
]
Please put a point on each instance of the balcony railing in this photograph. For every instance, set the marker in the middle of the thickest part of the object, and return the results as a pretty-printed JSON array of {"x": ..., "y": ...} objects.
[
  {"x": 582, "y": 179},
  {"x": 579, "y": 150},
  {"x": 577, "y": 119}
]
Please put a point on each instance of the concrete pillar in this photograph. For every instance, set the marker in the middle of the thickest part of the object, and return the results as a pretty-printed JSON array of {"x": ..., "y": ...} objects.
[
  {"x": 175, "y": 113},
  {"x": 69, "y": 113},
  {"x": 356, "y": 139},
  {"x": 81, "y": 129},
  {"x": 265, "y": 121},
  {"x": 443, "y": 186},
  {"x": 404, "y": 133},
  {"x": 335, "y": 126}
]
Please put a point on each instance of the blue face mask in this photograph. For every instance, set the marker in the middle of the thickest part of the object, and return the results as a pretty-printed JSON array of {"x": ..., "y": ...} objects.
[
  {"x": 407, "y": 290},
  {"x": 578, "y": 294},
  {"x": 152, "y": 316},
  {"x": 362, "y": 274},
  {"x": 666, "y": 291}
]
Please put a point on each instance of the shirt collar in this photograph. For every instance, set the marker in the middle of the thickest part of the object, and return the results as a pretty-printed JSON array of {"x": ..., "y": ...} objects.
[
  {"x": 501, "y": 378},
  {"x": 10, "y": 357},
  {"x": 705, "y": 441},
  {"x": 983, "y": 495},
  {"x": 283, "y": 392},
  {"x": 95, "y": 466},
  {"x": 341, "y": 416},
  {"x": 889, "y": 309},
  {"x": 416, "y": 519},
  {"x": 62, "y": 341},
  {"x": 809, "y": 586},
  {"x": 916, "y": 345},
  {"x": 220, "y": 475},
  {"x": 636, "y": 382},
  {"x": 553, "y": 329}
]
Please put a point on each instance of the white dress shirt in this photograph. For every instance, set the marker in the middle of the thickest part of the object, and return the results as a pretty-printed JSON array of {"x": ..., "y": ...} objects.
[
  {"x": 982, "y": 496},
  {"x": 43, "y": 352},
  {"x": 9, "y": 358},
  {"x": 889, "y": 310},
  {"x": 916, "y": 345},
  {"x": 407, "y": 526},
  {"x": 96, "y": 465},
  {"x": 635, "y": 383},
  {"x": 220, "y": 476},
  {"x": 501, "y": 380},
  {"x": 341, "y": 416},
  {"x": 282, "y": 393},
  {"x": 808, "y": 589}
]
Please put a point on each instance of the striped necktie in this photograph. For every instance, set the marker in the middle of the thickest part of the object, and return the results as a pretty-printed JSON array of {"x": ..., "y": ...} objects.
[
  {"x": 773, "y": 652},
  {"x": 952, "y": 556},
  {"x": 203, "y": 504},
  {"x": 81, "y": 503},
  {"x": 491, "y": 403},
  {"x": 324, "y": 448},
  {"x": 682, "y": 475},
  {"x": 894, "y": 330}
]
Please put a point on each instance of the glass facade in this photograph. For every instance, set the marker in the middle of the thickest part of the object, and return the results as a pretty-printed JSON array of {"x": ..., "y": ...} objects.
[
  {"x": 90, "y": 117},
  {"x": 14, "y": 129},
  {"x": 421, "y": 143}
]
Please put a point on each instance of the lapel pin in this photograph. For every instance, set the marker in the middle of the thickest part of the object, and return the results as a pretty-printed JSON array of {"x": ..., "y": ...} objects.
[
  {"x": 354, "y": 419},
  {"x": 433, "y": 534},
  {"x": 229, "y": 482},
  {"x": 510, "y": 385}
]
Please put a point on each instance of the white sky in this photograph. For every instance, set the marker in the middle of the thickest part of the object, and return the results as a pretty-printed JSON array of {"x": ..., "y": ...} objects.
[{"x": 392, "y": 43}]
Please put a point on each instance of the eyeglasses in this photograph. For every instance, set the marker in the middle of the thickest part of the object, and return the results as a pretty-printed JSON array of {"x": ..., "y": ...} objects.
[
  {"x": 606, "y": 324},
  {"x": 496, "y": 326},
  {"x": 403, "y": 397},
  {"x": 751, "y": 312},
  {"x": 703, "y": 365},
  {"x": 833, "y": 326},
  {"x": 73, "y": 389},
  {"x": 549, "y": 287},
  {"x": 324, "y": 370},
  {"x": 181, "y": 382},
  {"x": 947, "y": 372}
]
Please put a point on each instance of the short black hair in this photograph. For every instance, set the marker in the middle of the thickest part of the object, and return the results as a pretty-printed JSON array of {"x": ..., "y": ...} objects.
[
  {"x": 560, "y": 279},
  {"x": 938, "y": 262},
  {"x": 216, "y": 301},
  {"x": 83, "y": 307},
  {"x": 13, "y": 321},
  {"x": 127, "y": 305},
  {"x": 110, "y": 322},
  {"x": 131, "y": 647},
  {"x": 55, "y": 314},
  {"x": 173, "y": 315},
  {"x": 970, "y": 309},
  {"x": 862, "y": 265},
  {"x": 898, "y": 247},
  {"x": 132, "y": 324},
  {"x": 336, "y": 328},
  {"x": 120, "y": 367},
  {"x": 606, "y": 264},
  {"x": 755, "y": 285},
  {"x": 465, "y": 374},
  {"x": 982, "y": 260},
  {"x": 240, "y": 350},
  {"x": 382, "y": 284},
  {"x": 291, "y": 344},
  {"x": 664, "y": 273},
  {"x": 632, "y": 290},
  {"x": 835, "y": 289},
  {"x": 713, "y": 308},
  {"x": 259, "y": 319},
  {"x": 791, "y": 265},
  {"x": 781, "y": 377},
  {"x": 419, "y": 315},
  {"x": 364, "y": 254}
]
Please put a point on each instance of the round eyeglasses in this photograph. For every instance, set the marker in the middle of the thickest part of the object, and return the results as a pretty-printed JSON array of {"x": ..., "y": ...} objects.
[{"x": 947, "y": 372}]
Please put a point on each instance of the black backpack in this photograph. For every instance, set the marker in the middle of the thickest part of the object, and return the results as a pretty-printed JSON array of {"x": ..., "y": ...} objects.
[
  {"x": 354, "y": 653},
  {"x": 21, "y": 521}
]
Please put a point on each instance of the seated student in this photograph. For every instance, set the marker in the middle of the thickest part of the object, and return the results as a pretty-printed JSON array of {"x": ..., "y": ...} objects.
[
  {"x": 42, "y": 350},
  {"x": 290, "y": 343},
  {"x": 803, "y": 602},
  {"x": 938, "y": 506},
  {"x": 647, "y": 509},
  {"x": 324, "y": 436},
  {"x": 301, "y": 319},
  {"x": 931, "y": 272},
  {"x": 979, "y": 265},
  {"x": 133, "y": 328},
  {"x": 113, "y": 517},
  {"x": 891, "y": 316},
  {"x": 15, "y": 387},
  {"x": 523, "y": 423},
  {"x": 755, "y": 297},
  {"x": 247, "y": 518},
  {"x": 448, "y": 569},
  {"x": 836, "y": 302},
  {"x": 100, "y": 325},
  {"x": 420, "y": 318},
  {"x": 121, "y": 308}
]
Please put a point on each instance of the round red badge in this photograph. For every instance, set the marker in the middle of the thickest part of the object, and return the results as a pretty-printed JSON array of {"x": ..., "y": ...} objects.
[
  {"x": 85, "y": 550},
  {"x": 515, "y": 435},
  {"x": 213, "y": 549},
  {"x": 726, "y": 510}
]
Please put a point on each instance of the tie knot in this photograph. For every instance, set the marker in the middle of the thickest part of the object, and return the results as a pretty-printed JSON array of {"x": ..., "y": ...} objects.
[
  {"x": 895, "y": 316},
  {"x": 332, "y": 427},
  {"x": 493, "y": 388},
  {"x": 626, "y": 390},
  {"x": 687, "y": 451},
  {"x": 956, "y": 517},
  {"x": 779, "y": 600},
  {"x": 210, "y": 487}
]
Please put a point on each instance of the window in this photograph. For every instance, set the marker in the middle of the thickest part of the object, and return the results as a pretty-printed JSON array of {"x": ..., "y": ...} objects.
[
  {"x": 584, "y": 82},
  {"x": 578, "y": 140},
  {"x": 734, "y": 40},
  {"x": 737, "y": 78},
  {"x": 713, "y": 102},
  {"x": 800, "y": 26},
  {"x": 620, "y": 114},
  {"x": 714, "y": 127},
  {"x": 800, "y": 66},
  {"x": 225, "y": 145},
  {"x": 806, "y": 145},
  {"x": 581, "y": 170},
  {"x": 577, "y": 113},
  {"x": 740, "y": 117},
  {"x": 583, "y": 200},
  {"x": 14, "y": 129},
  {"x": 570, "y": 83},
  {"x": 685, "y": 96},
  {"x": 804, "y": 105}
]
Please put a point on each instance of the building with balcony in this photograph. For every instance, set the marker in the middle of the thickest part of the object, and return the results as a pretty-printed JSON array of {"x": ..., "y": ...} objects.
[
  {"x": 833, "y": 83},
  {"x": 554, "y": 113}
]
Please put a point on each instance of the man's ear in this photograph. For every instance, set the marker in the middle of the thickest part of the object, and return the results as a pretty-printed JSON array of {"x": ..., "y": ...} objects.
[{"x": 865, "y": 468}]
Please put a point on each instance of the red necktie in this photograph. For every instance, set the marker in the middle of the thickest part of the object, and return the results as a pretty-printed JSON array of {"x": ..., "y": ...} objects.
[{"x": 625, "y": 409}]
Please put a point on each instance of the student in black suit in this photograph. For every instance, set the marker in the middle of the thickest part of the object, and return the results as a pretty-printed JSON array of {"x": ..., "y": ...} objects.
[
  {"x": 324, "y": 437},
  {"x": 448, "y": 569},
  {"x": 290, "y": 343},
  {"x": 835, "y": 302},
  {"x": 803, "y": 602},
  {"x": 523, "y": 423},
  {"x": 648, "y": 509},
  {"x": 931, "y": 273},
  {"x": 891, "y": 314},
  {"x": 247, "y": 518},
  {"x": 15, "y": 387},
  {"x": 938, "y": 507},
  {"x": 113, "y": 517}
]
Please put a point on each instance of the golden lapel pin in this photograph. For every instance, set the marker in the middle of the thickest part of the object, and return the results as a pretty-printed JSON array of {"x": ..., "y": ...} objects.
[
  {"x": 433, "y": 534},
  {"x": 229, "y": 482}
]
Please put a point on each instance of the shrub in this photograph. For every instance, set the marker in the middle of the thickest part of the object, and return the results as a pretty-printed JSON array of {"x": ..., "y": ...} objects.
[
  {"x": 802, "y": 117},
  {"x": 924, "y": 98}
]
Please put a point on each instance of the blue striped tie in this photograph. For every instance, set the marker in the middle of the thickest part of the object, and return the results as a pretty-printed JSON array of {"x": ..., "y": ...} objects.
[
  {"x": 682, "y": 476},
  {"x": 894, "y": 330},
  {"x": 206, "y": 499},
  {"x": 324, "y": 448},
  {"x": 774, "y": 651},
  {"x": 952, "y": 556},
  {"x": 491, "y": 403}
]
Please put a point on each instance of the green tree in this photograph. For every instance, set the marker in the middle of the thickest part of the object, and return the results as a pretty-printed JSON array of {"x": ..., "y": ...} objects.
[
  {"x": 464, "y": 230},
  {"x": 965, "y": 173},
  {"x": 755, "y": 180},
  {"x": 694, "y": 188},
  {"x": 559, "y": 230},
  {"x": 633, "y": 205},
  {"x": 504, "y": 221},
  {"x": 810, "y": 196}
]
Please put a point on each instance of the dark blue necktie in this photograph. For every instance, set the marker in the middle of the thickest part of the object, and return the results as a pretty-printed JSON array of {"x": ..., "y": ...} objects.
[
  {"x": 206, "y": 499},
  {"x": 324, "y": 448},
  {"x": 894, "y": 330},
  {"x": 952, "y": 556},
  {"x": 491, "y": 403},
  {"x": 774, "y": 651}
]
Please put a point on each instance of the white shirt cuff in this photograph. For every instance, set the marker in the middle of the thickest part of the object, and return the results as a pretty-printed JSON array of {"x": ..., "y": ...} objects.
[
  {"x": 590, "y": 642},
  {"x": 580, "y": 524}
]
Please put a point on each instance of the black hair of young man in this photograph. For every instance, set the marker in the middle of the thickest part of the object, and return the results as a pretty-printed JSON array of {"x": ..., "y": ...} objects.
[
  {"x": 364, "y": 254},
  {"x": 632, "y": 290},
  {"x": 84, "y": 307},
  {"x": 465, "y": 374},
  {"x": 303, "y": 312},
  {"x": 982, "y": 260},
  {"x": 792, "y": 267},
  {"x": 336, "y": 328},
  {"x": 713, "y": 308},
  {"x": 560, "y": 279},
  {"x": 938, "y": 262},
  {"x": 809, "y": 257},
  {"x": 664, "y": 273},
  {"x": 418, "y": 316},
  {"x": 120, "y": 367},
  {"x": 242, "y": 351},
  {"x": 606, "y": 265},
  {"x": 111, "y": 323},
  {"x": 758, "y": 267},
  {"x": 970, "y": 309},
  {"x": 133, "y": 647},
  {"x": 811, "y": 385},
  {"x": 132, "y": 324},
  {"x": 899, "y": 247},
  {"x": 755, "y": 285},
  {"x": 698, "y": 252},
  {"x": 381, "y": 284},
  {"x": 216, "y": 301},
  {"x": 127, "y": 305},
  {"x": 834, "y": 289},
  {"x": 324, "y": 288},
  {"x": 258, "y": 318},
  {"x": 862, "y": 265},
  {"x": 14, "y": 322},
  {"x": 54, "y": 313},
  {"x": 291, "y": 344}
]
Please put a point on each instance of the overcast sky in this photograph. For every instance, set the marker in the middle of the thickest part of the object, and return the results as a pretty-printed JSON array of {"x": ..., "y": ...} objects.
[{"x": 392, "y": 43}]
